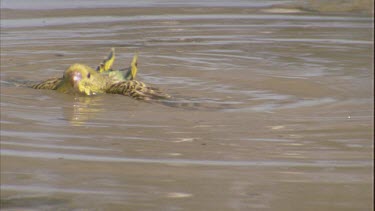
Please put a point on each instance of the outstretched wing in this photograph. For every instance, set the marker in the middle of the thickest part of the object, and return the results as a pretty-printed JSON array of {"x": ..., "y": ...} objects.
[
  {"x": 51, "y": 83},
  {"x": 137, "y": 90}
]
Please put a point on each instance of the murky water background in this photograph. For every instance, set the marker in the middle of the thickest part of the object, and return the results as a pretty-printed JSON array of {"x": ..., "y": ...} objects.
[{"x": 273, "y": 108}]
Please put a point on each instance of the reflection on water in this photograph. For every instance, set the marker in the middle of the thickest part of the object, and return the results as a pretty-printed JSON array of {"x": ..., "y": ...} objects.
[
  {"x": 83, "y": 109},
  {"x": 271, "y": 106}
]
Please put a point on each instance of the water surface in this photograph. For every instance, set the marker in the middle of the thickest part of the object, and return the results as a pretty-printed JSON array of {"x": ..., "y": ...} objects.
[{"x": 271, "y": 110}]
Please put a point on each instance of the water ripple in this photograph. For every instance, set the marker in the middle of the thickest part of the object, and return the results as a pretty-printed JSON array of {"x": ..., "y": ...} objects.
[
  {"x": 243, "y": 163},
  {"x": 41, "y": 22}
]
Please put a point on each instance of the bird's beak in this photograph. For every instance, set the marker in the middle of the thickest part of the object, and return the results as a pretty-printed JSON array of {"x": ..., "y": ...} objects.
[{"x": 75, "y": 77}]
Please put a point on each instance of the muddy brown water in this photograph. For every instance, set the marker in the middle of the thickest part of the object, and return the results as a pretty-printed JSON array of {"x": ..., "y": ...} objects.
[{"x": 272, "y": 110}]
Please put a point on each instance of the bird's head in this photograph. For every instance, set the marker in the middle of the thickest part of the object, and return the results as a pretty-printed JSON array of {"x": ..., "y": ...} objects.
[{"x": 78, "y": 77}]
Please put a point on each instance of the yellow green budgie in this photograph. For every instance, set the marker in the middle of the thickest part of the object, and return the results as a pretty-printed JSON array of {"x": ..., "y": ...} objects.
[
  {"x": 105, "y": 68},
  {"x": 82, "y": 79}
]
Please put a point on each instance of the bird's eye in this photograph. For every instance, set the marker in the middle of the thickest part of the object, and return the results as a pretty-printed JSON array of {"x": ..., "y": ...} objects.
[{"x": 88, "y": 75}]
